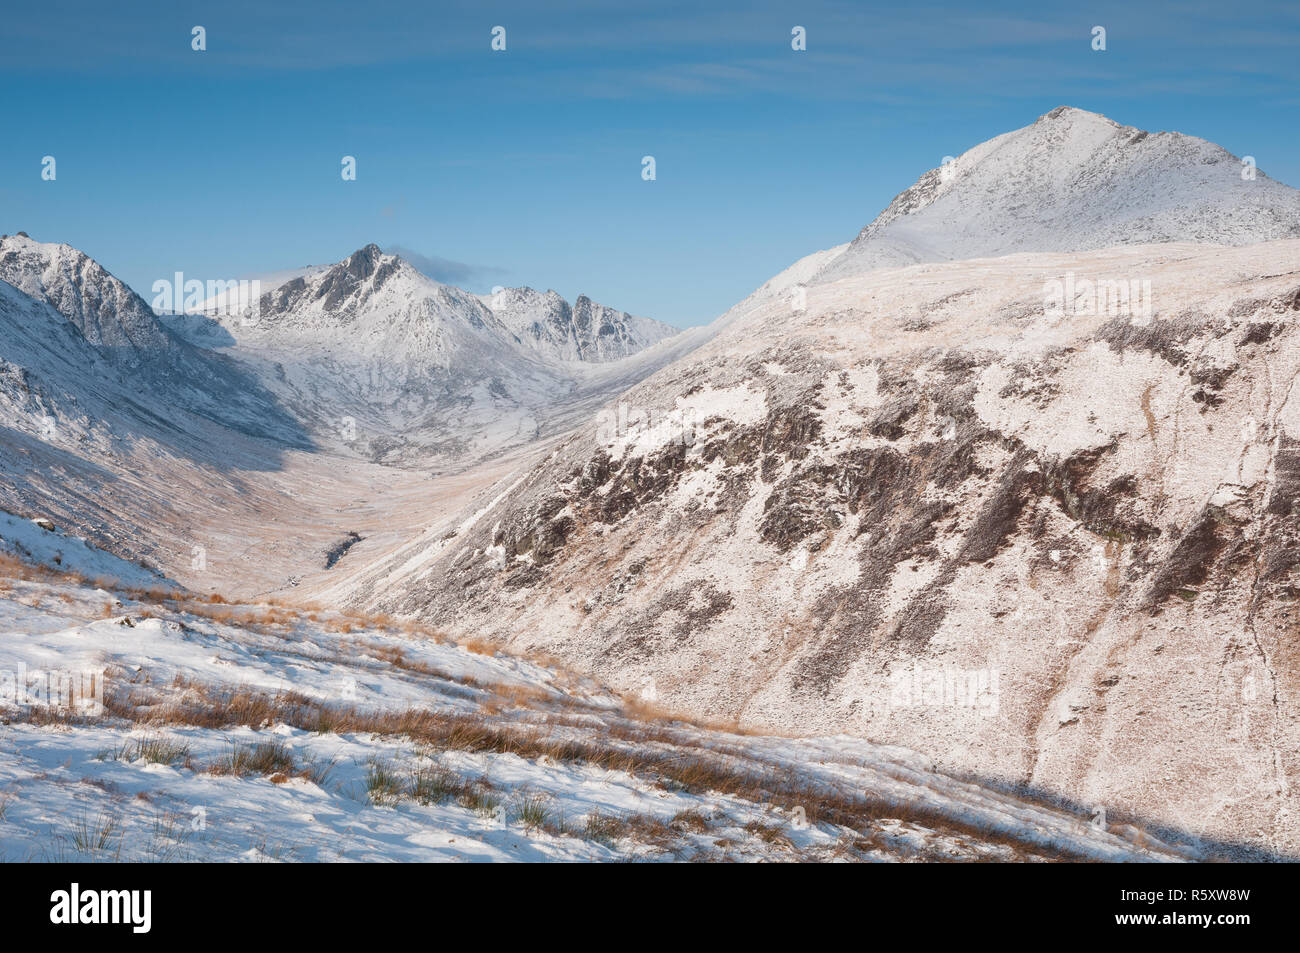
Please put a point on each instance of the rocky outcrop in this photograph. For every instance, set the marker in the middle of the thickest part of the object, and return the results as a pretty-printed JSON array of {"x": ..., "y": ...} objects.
[{"x": 819, "y": 504}]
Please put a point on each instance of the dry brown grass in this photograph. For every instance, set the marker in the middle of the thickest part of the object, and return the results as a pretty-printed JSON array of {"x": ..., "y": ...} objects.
[
  {"x": 643, "y": 744},
  {"x": 506, "y": 696},
  {"x": 479, "y": 646},
  {"x": 696, "y": 771},
  {"x": 648, "y": 711},
  {"x": 11, "y": 567},
  {"x": 396, "y": 656}
]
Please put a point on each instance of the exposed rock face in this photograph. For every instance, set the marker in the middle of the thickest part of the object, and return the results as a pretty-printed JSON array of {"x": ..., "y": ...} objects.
[
  {"x": 340, "y": 288},
  {"x": 586, "y": 331},
  {"x": 923, "y": 476},
  {"x": 104, "y": 311}
]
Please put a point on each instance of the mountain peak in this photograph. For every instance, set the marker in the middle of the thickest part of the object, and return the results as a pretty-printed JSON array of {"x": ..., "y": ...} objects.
[
  {"x": 339, "y": 288},
  {"x": 101, "y": 307},
  {"x": 584, "y": 331},
  {"x": 1073, "y": 114},
  {"x": 365, "y": 260},
  {"x": 1073, "y": 181}
]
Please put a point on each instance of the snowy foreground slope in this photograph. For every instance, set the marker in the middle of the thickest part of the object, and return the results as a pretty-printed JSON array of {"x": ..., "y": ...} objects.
[
  {"x": 259, "y": 733},
  {"x": 44, "y": 545}
]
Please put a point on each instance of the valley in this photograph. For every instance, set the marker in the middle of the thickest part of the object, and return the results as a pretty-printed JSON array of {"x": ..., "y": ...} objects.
[{"x": 1002, "y": 503}]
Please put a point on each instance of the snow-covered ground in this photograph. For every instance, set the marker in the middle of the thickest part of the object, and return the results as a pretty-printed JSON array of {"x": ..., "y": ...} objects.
[
  {"x": 39, "y": 541},
  {"x": 222, "y": 732}
]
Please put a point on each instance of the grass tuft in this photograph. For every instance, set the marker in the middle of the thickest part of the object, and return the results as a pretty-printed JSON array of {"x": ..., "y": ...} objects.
[{"x": 268, "y": 757}]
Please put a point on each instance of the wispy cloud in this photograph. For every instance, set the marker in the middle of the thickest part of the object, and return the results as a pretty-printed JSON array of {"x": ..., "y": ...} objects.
[{"x": 459, "y": 273}]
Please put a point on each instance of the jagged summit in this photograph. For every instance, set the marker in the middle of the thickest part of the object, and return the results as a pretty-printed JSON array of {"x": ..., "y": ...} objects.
[
  {"x": 1074, "y": 180},
  {"x": 104, "y": 310},
  {"x": 81, "y": 354},
  {"x": 340, "y": 287},
  {"x": 371, "y": 288},
  {"x": 584, "y": 331}
]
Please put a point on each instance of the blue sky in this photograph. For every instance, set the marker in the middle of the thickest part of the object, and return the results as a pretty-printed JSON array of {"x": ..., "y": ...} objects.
[{"x": 524, "y": 167}]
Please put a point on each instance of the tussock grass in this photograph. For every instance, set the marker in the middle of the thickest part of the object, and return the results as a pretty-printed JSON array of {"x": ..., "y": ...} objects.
[
  {"x": 396, "y": 656},
  {"x": 99, "y": 838},
  {"x": 149, "y": 750},
  {"x": 603, "y": 828},
  {"x": 772, "y": 834},
  {"x": 479, "y": 798},
  {"x": 479, "y": 646},
  {"x": 434, "y": 784},
  {"x": 318, "y": 772},
  {"x": 691, "y": 820},
  {"x": 268, "y": 757},
  {"x": 640, "y": 752},
  {"x": 654, "y": 752},
  {"x": 160, "y": 751},
  {"x": 647, "y": 742},
  {"x": 383, "y": 784},
  {"x": 171, "y": 833},
  {"x": 533, "y": 811}
]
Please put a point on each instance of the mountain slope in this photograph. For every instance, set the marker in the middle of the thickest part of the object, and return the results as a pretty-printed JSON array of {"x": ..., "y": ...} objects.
[
  {"x": 918, "y": 482},
  {"x": 178, "y": 730},
  {"x": 74, "y": 333},
  {"x": 1072, "y": 181}
]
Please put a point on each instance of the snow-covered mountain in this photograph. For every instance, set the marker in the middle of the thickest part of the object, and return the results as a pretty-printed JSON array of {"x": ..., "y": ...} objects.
[
  {"x": 994, "y": 481},
  {"x": 85, "y": 351},
  {"x": 1077, "y": 518},
  {"x": 583, "y": 331},
  {"x": 105, "y": 312},
  {"x": 1082, "y": 535},
  {"x": 372, "y": 302},
  {"x": 1072, "y": 181},
  {"x": 111, "y": 424},
  {"x": 373, "y": 354}
]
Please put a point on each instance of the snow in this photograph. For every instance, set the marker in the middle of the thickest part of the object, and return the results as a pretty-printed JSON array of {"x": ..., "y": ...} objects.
[
  {"x": 625, "y": 596},
  {"x": 693, "y": 418},
  {"x": 585, "y": 331},
  {"x": 1073, "y": 181},
  {"x": 63, "y": 782},
  {"x": 52, "y": 549},
  {"x": 376, "y": 358},
  {"x": 262, "y": 443}
]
